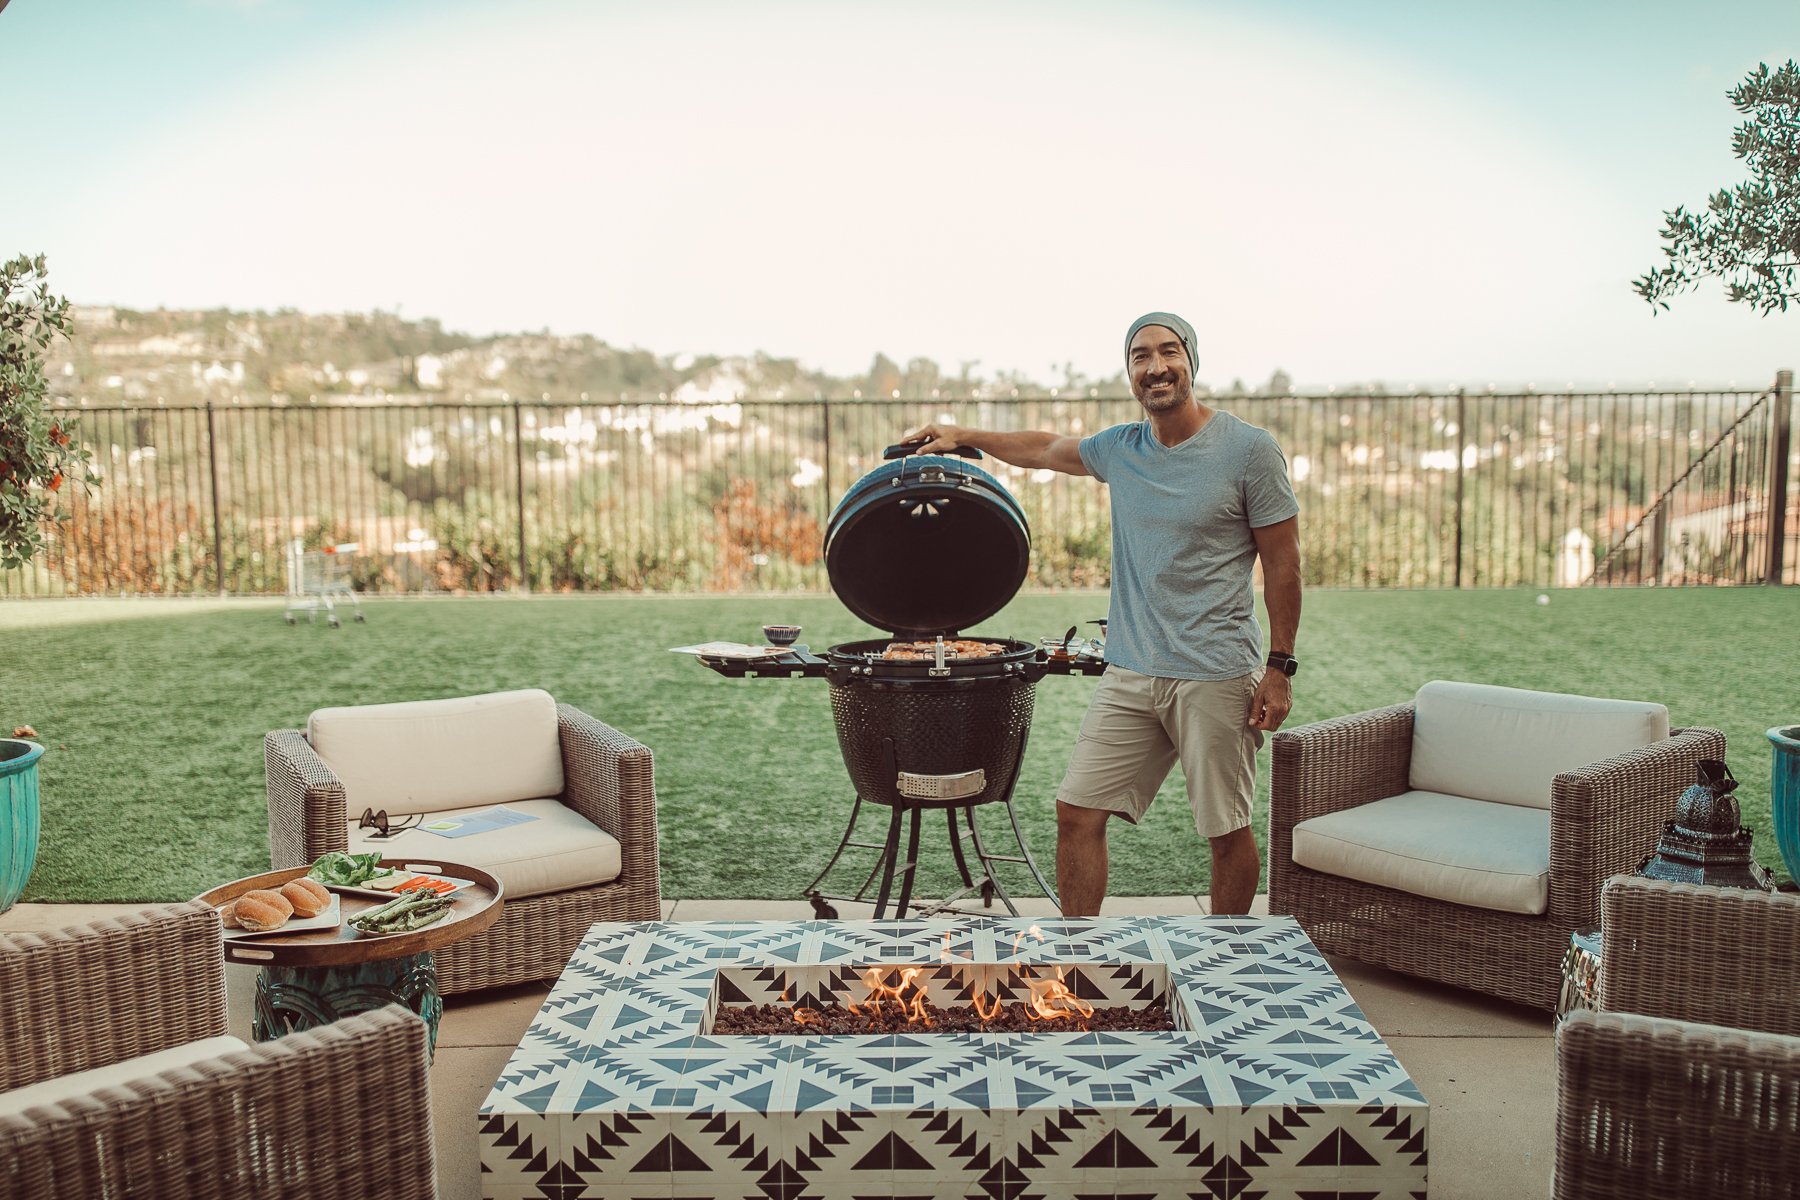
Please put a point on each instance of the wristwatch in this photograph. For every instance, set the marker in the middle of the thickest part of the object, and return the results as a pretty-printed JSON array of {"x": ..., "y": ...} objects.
[{"x": 1287, "y": 664}]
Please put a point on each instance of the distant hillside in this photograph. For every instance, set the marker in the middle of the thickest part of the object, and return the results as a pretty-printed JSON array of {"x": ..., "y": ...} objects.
[{"x": 184, "y": 357}]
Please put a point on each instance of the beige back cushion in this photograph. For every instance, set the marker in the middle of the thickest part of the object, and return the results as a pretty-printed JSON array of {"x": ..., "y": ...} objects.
[
  {"x": 430, "y": 755},
  {"x": 1507, "y": 744}
]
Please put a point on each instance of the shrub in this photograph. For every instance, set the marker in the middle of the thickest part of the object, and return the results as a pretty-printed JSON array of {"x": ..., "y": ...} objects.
[
  {"x": 746, "y": 530},
  {"x": 130, "y": 545},
  {"x": 38, "y": 448}
]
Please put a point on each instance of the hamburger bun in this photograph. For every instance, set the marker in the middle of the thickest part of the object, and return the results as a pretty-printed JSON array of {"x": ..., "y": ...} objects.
[
  {"x": 308, "y": 896},
  {"x": 262, "y": 910},
  {"x": 228, "y": 914}
]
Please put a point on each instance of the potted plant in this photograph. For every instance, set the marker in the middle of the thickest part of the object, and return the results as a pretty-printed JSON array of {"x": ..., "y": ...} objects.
[
  {"x": 38, "y": 453},
  {"x": 18, "y": 812},
  {"x": 38, "y": 449},
  {"x": 1784, "y": 795}
]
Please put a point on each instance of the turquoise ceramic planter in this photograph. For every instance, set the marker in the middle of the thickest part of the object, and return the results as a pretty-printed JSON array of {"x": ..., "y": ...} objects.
[
  {"x": 18, "y": 816},
  {"x": 1784, "y": 795}
]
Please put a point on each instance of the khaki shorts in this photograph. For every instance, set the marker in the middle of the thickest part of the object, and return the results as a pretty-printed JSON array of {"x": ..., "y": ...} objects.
[{"x": 1139, "y": 725}]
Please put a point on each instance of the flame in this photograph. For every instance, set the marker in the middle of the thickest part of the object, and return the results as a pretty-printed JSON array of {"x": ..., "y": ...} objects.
[
  {"x": 871, "y": 1006},
  {"x": 1052, "y": 1001},
  {"x": 913, "y": 1009}
]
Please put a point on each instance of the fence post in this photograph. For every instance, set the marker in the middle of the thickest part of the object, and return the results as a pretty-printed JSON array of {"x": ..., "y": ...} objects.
[
  {"x": 825, "y": 426},
  {"x": 1781, "y": 437},
  {"x": 1462, "y": 437},
  {"x": 519, "y": 493},
  {"x": 1659, "y": 543},
  {"x": 212, "y": 469}
]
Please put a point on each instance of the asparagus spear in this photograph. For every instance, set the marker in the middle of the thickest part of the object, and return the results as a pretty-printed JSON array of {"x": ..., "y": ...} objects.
[
  {"x": 419, "y": 920},
  {"x": 381, "y": 910},
  {"x": 397, "y": 912},
  {"x": 401, "y": 914}
]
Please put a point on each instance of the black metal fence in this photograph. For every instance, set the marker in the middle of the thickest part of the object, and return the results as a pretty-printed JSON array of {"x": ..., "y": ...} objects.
[{"x": 1423, "y": 490}]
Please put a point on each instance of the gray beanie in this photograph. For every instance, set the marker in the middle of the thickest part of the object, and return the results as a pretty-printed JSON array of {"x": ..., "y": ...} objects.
[{"x": 1182, "y": 329}]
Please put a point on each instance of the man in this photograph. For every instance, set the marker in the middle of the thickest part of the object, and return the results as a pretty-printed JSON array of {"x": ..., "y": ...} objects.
[{"x": 1197, "y": 497}]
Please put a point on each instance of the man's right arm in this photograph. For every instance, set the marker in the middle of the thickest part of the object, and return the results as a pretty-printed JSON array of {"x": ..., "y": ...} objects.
[{"x": 1033, "y": 450}]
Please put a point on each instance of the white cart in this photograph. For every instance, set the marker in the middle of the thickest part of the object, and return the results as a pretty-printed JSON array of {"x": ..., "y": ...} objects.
[{"x": 316, "y": 579}]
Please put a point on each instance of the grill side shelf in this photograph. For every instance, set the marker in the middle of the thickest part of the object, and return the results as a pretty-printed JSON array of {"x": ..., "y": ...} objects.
[
  {"x": 803, "y": 663},
  {"x": 1080, "y": 664}
]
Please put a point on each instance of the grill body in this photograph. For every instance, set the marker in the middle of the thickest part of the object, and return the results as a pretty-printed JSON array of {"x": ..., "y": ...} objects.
[
  {"x": 940, "y": 727},
  {"x": 927, "y": 545}
]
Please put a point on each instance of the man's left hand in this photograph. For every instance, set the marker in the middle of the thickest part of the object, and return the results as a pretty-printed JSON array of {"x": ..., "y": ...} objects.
[{"x": 1273, "y": 700}]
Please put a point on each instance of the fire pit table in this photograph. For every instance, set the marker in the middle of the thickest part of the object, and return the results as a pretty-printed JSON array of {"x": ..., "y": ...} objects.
[
  {"x": 929, "y": 718},
  {"x": 1271, "y": 1082}
]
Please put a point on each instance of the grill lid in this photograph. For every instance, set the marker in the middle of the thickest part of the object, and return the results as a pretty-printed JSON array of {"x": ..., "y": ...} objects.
[{"x": 926, "y": 544}]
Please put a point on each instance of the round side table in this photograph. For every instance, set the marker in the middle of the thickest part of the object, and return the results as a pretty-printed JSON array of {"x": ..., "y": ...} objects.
[{"x": 311, "y": 977}]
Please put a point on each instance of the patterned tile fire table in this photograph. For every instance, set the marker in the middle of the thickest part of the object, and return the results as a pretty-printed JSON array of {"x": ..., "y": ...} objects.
[{"x": 1271, "y": 1085}]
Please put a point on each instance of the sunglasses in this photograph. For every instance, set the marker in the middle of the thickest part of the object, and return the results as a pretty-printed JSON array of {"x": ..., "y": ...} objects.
[{"x": 378, "y": 821}]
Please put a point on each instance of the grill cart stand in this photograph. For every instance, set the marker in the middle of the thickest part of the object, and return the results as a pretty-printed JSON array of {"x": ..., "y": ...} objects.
[{"x": 960, "y": 831}]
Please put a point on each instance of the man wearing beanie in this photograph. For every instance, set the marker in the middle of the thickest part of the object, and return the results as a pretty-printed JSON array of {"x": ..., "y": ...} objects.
[{"x": 1197, "y": 497}]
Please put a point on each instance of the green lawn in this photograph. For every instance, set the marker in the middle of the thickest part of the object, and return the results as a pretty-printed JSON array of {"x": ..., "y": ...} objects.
[{"x": 154, "y": 711}]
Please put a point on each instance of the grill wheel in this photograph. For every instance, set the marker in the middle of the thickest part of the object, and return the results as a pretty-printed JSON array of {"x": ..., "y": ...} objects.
[{"x": 938, "y": 727}]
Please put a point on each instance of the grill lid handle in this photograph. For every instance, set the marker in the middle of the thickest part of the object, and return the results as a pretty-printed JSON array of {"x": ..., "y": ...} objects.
[{"x": 902, "y": 449}]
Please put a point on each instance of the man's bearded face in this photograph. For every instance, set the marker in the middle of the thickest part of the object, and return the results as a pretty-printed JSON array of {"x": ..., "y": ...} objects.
[{"x": 1161, "y": 376}]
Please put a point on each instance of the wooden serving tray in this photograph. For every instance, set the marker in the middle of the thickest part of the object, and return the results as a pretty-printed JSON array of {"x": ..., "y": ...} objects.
[{"x": 472, "y": 910}]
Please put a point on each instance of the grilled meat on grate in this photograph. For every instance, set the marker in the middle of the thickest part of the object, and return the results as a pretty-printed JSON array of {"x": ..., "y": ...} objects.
[{"x": 927, "y": 651}]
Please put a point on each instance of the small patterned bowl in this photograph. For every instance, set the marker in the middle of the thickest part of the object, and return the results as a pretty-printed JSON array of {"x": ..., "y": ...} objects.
[{"x": 781, "y": 635}]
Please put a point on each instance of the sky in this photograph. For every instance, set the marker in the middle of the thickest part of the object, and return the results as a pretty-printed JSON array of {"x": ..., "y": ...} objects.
[{"x": 1396, "y": 191}]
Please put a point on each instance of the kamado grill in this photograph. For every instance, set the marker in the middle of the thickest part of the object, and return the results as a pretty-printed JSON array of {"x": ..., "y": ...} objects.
[{"x": 927, "y": 546}]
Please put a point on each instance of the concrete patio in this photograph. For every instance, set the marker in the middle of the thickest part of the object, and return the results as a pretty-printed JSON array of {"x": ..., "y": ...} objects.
[{"x": 1487, "y": 1067}]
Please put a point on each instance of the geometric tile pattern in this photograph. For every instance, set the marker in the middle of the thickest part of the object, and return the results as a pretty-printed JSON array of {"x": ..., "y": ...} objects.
[{"x": 1273, "y": 1086}]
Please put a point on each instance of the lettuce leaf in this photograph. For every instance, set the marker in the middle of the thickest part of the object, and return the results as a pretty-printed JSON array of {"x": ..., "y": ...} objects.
[{"x": 345, "y": 869}]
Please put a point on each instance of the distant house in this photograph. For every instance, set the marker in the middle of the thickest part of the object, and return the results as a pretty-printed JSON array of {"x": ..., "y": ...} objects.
[
  {"x": 185, "y": 344},
  {"x": 1709, "y": 537},
  {"x": 428, "y": 372},
  {"x": 94, "y": 316},
  {"x": 218, "y": 372},
  {"x": 722, "y": 385}
]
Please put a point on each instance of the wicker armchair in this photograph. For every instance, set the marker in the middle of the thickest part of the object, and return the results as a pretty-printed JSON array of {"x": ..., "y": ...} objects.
[
  {"x": 608, "y": 779},
  {"x": 222, "y": 1121},
  {"x": 1687, "y": 1083},
  {"x": 1603, "y": 819}
]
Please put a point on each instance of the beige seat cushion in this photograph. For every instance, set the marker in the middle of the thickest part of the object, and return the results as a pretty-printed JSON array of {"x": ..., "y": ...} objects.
[
  {"x": 1474, "y": 852},
  {"x": 558, "y": 851},
  {"x": 81, "y": 1083},
  {"x": 431, "y": 755},
  {"x": 1507, "y": 745}
]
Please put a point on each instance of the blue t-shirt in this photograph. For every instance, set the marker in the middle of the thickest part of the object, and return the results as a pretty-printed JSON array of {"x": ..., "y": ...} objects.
[{"x": 1182, "y": 602}]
